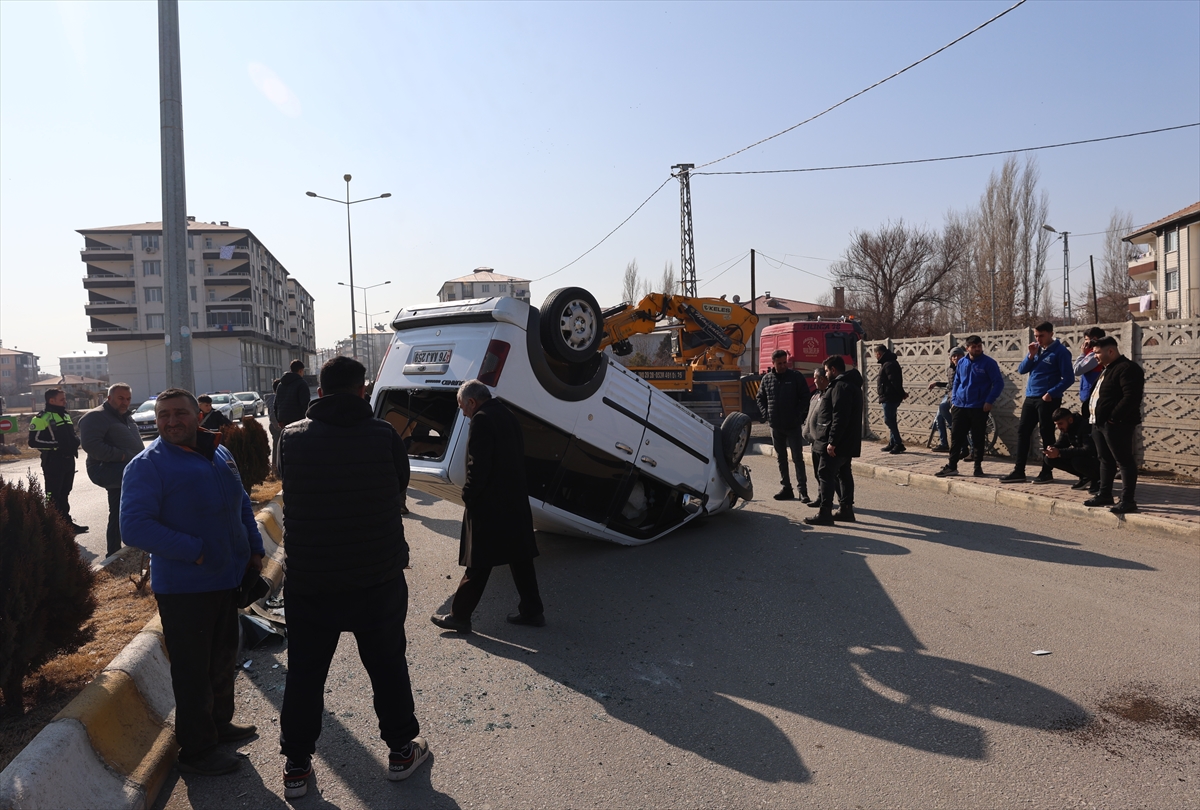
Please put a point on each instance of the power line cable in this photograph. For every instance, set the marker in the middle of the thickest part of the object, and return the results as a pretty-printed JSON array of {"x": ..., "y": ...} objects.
[
  {"x": 736, "y": 261},
  {"x": 866, "y": 89},
  {"x": 958, "y": 157},
  {"x": 794, "y": 267},
  {"x": 610, "y": 233}
]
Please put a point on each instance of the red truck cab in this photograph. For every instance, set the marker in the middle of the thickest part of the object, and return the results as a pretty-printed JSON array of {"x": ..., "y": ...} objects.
[{"x": 808, "y": 343}]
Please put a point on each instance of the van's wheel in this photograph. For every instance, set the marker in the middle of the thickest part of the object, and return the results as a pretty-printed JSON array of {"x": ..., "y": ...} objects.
[
  {"x": 572, "y": 326},
  {"x": 735, "y": 437}
]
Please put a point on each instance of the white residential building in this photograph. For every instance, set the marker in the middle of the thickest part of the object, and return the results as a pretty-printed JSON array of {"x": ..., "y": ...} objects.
[
  {"x": 484, "y": 282},
  {"x": 85, "y": 364},
  {"x": 1171, "y": 265},
  {"x": 249, "y": 317}
]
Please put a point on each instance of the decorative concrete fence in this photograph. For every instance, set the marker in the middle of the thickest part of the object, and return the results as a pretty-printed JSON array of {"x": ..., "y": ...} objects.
[{"x": 1169, "y": 351}]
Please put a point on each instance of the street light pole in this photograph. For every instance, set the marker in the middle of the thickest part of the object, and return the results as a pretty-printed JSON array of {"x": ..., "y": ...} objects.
[
  {"x": 366, "y": 309},
  {"x": 350, "y": 252},
  {"x": 1066, "y": 275}
]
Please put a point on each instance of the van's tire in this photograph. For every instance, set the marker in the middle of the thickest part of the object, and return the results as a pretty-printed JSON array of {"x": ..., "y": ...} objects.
[
  {"x": 735, "y": 437},
  {"x": 572, "y": 325}
]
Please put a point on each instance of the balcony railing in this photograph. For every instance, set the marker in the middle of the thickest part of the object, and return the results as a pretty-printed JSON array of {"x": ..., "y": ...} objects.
[
  {"x": 91, "y": 248},
  {"x": 113, "y": 329},
  {"x": 112, "y": 303}
]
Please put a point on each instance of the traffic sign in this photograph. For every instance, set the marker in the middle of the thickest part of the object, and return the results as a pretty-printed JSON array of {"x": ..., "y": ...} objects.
[{"x": 8, "y": 424}]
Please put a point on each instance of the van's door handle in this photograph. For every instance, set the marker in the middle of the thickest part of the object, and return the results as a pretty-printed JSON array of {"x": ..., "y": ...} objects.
[
  {"x": 625, "y": 448},
  {"x": 650, "y": 461}
]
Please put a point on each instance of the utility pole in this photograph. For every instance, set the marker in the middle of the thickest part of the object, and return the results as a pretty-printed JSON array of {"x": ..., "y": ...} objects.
[
  {"x": 754, "y": 309},
  {"x": 1095, "y": 303},
  {"x": 687, "y": 247},
  {"x": 992, "y": 281},
  {"x": 1066, "y": 280},
  {"x": 176, "y": 329}
]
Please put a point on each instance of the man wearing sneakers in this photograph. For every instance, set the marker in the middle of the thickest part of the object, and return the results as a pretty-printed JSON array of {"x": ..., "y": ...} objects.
[
  {"x": 839, "y": 439},
  {"x": 890, "y": 389},
  {"x": 344, "y": 476},
  {"x": 977, "y": 383},
  {"x": 942, "y": 421},
  {"x": 1116, "y": 412},
  {"x": 1050, "y": 369},
  {"x": 783, "y": 401},
  {"x": 1074, "y": 452}
]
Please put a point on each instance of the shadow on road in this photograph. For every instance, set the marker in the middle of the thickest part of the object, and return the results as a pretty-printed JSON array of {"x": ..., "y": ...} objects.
[{"x": 705, "y": 637}]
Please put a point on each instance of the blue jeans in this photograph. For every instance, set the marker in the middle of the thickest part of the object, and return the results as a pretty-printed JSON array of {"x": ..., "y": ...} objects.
[
  {"x": 943, "y": 420},
  {"x": 889, "y": 419}
]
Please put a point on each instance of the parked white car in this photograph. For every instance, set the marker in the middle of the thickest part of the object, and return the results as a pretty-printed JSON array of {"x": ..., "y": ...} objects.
[
  {"x": 607, "y": 455},
  {"x": 252, "y": 402},
  {"x": 228, "y": 404},
  {"x": 143, "y": 417}
]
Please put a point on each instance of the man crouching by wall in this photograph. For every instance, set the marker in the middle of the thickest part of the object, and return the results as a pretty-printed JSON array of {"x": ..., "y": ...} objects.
[
  {"x": 344, "y": 476},
  {"x": 182, "y": 500}
]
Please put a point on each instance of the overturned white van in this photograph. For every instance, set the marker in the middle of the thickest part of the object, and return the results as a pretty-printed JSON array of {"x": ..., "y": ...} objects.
[{"x": 607, "y": 455}]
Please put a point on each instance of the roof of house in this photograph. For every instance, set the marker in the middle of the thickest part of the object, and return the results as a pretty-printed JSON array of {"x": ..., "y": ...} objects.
[
  {"x": 785, "y": 306},
  {"x": 1192, "y": 210},
  {"x": 156, "y": 227},
  {"x": 6, "y": 350},
  {"x": 66, "y": 379},
  {"x": 485, "y": 274}
]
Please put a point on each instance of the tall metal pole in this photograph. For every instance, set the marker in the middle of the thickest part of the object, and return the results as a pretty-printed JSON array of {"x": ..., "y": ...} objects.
[
  {"x": 754, "y": 309},
  {"x": 1066, "y": 281},
  {"x": 1095, "y": 303},
  {"x": 687, "y": 247},
  {"x": 350, "y": 250},
  {"x": 992, "y": 282},
  {"x": 177, "y": 334}
]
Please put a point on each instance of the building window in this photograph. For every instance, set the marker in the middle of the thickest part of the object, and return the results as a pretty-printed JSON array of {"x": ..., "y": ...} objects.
[
  {"x": 195, "y": 320},
  {"x": 153, "y": 268},
  {"x": 1171, "y": 241},
  {"x": 208, "y": 241},
  {"x": 209, "y": 269},
  {"x": 212, "y": 295},
  {"x": 1172, "y": 280},
  {"x": 150, "y": 242},
  {"x": 191, "y": 267},
  {"x": 6, "y": 373},
  {"x": 153, "y": 295},
  {"x": 773, "y": 321},
  {"x": 190, "y": 245},
  {"x": 192, "y": 290},
  {"x": 154, "y": 321},
  {"x": 484, "y": 287},
  {"x": 451, "y": 297}
]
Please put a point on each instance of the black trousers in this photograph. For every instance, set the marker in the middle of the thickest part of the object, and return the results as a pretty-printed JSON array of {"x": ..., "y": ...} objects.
[
  {"x": 1114, "y": 445},
  {"x": 201, "y": 633},
  {"x": 836, "y": 480},
  {"x": 470, "y": 590},
  {"x": 785, "y": 439},
  {"x": 1036, "y": 414},
  {"x": 964, "y": 421},
  {"x": 316, "y": 622},
  {"x": 58, "y": 474},
  {"x": 1077, "y": 461},
  {"x": 114, "y": 521}
]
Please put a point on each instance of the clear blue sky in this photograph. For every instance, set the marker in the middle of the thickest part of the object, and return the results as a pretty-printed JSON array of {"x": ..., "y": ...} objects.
[{"x": 515, "y": 135}]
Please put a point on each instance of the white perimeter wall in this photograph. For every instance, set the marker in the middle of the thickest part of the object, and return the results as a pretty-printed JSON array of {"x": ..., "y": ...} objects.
[{"x": 142, "y": 364}]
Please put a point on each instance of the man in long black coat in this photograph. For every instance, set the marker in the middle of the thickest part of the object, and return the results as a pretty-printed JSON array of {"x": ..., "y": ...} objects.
[
  {"x": 838, "y": 439},
  {"x": 497, "y": 525}
]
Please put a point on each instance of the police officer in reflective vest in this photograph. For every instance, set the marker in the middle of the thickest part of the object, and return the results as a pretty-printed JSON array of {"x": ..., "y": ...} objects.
[{"x": 53, "y": 433}]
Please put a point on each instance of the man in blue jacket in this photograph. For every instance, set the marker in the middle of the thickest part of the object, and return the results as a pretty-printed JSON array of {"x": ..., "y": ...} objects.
[
  {"x": 182, "y": 500},
  {"x": 977, "y": 383},
  {"x": 1050, "y": 369}
]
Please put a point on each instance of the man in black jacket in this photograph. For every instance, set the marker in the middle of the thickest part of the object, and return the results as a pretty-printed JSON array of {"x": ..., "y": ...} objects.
[
  {"x": 1116, "y": 406},
  {"x": 497, "y": 525},
  {"x": 890, "y": 389},
  {"x": 53, "y": 433},
  {"x": 111, "y": 440},
  {"x": 292, "y": 396},
  {"x": 838, "y": 439},
  {"x": 1074, "y": 452},
  {"x": 783, "y": 400},
  {"x": 344, "y": 476}
]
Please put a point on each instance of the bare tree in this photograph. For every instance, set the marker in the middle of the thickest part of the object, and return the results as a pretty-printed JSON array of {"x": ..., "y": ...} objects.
[
  {"x": 1115, "y": 287},
  {"x": 631, "y": 287},
  {"x": 669, "y": 283},
  {"x": 892, "y": 274},
  {"x": 1008, "y": 265}
]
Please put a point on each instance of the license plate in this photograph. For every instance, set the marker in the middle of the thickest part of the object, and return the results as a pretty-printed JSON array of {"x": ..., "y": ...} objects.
[{"x": 432, "y": 357}]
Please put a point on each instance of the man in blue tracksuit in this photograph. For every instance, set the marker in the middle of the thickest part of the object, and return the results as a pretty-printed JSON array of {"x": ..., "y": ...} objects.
[
  {"x": 1050, "y": 369},
  {"x": 182, "y": 500},
  {"x": 977, "y": 383}
]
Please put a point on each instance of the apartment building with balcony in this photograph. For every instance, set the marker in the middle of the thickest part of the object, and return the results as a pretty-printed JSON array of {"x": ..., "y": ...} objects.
[
  {"x": 484, "y": 282},
  {"x": 1170, "y": 265},
  {"x": 248, "y": 317},
  {"x": 18, "y": 371}
]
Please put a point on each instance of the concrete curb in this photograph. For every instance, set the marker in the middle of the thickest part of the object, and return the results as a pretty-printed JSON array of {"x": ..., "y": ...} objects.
[
  {"x": 1016, "y": 500},
  {"x": 114, "y": 744}
]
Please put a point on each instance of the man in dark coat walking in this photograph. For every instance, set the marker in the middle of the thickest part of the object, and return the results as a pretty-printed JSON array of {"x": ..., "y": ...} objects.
[
  {"x": 111, "y": 440},
  {"x": 890, "y": 390},
  {"x": 344, "y": 475},
  {"x": 838, "y": 439},
  {"x": 497, "y": 525},
  {"x": 783, "y": 400},
  {"x": 1116, "y": 405}
]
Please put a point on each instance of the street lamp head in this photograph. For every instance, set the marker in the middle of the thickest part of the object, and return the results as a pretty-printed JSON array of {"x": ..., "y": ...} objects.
[
  {"x": 341, "y": 284},
  {"x": 311, "y": 193},
  {"x": 387, "y": 282},
  {"x": 346, "y": 178},
  {"x": 388, "y": 194},
  {"x": 1047, "y": 227}
]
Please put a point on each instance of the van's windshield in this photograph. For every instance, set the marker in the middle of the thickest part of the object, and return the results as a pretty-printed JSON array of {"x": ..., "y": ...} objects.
[{"x": 424, "y": 418}]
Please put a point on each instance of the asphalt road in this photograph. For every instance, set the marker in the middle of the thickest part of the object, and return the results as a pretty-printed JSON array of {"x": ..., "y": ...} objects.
[
  {"x": 89, "y": 503},
  {"x": 753, "y": 661}
]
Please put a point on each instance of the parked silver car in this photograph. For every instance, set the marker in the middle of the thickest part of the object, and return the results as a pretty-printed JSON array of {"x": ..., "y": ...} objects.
[{"x": 252, "y": 402}]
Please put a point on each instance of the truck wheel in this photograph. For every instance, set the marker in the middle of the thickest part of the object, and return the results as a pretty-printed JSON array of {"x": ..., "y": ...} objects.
[
  {"x": 572, "y": 326},
  {"x": 735, "y": 437}
]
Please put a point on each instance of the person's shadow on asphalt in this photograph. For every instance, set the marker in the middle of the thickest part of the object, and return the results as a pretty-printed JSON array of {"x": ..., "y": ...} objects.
[{"x": 701, "y": 639}]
